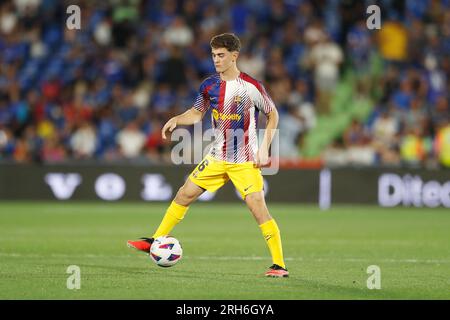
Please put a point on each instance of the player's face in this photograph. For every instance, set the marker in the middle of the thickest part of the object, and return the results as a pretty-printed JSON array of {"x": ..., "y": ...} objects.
[{"x": 223, "y": 59}]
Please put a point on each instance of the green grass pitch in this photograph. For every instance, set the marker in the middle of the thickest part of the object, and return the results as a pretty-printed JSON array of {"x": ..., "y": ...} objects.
[{"x": 225, "y": 256}]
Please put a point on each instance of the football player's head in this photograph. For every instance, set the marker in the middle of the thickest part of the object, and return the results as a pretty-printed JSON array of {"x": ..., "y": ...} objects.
[{"x": 225, "y": 49}]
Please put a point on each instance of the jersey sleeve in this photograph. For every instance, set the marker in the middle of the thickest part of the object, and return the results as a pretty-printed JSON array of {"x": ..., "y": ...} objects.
[
  {"x": 263, "y": 101},
  {"x": 201, "y": 102}
]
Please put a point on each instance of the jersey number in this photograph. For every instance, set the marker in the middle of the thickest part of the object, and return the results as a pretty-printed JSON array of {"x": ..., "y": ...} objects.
[{"x": 202, "y": 165}]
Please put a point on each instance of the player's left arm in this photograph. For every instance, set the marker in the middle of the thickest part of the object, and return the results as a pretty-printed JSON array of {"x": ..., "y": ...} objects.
[{"x": 262, "y": 158}]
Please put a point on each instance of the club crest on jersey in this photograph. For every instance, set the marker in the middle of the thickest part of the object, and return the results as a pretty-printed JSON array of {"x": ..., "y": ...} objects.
[{"x": 237, "y": 99}]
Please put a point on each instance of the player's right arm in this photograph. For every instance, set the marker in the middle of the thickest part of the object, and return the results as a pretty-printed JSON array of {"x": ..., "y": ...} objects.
[
  {"x": 193, "y": 115},
  {"x": 187, "y": 118}
]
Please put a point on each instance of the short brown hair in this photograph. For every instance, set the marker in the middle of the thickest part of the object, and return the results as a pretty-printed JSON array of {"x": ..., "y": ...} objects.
[{"x": 228, "y": 41}]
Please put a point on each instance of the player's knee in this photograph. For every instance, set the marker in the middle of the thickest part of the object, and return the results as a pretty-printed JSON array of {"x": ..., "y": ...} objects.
[
  {"x": 255, "y": 200},
  {"x": 184, "y": 197},
  {"x": 257, "y": 206}
]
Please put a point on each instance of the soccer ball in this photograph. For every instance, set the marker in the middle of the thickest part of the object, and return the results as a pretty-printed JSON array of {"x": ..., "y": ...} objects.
[{"x": 166, "y": 251}]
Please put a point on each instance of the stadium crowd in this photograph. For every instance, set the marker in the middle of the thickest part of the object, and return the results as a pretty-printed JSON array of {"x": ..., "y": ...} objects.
[{"x": 104, "y": 91}]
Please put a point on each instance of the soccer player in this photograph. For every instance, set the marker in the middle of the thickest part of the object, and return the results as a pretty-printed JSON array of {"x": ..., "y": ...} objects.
[{"x": 235, "y": 99}]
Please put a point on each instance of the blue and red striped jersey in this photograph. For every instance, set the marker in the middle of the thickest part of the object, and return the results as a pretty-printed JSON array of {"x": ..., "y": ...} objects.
[{"x": 235, "y": 106}]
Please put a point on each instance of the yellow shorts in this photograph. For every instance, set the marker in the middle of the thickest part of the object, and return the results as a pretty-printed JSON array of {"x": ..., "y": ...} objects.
[{"x": 211, "y": 174}]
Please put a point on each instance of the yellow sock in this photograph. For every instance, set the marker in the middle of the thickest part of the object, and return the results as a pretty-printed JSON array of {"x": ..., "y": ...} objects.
[
  {"x": 174, "y": 214},
  {"x": 271, "y": 233}
]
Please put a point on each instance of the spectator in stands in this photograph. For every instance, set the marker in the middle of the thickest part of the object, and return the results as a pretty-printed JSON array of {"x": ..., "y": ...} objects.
[
  {"x": 83, "y": 141},
  {"x": 413, "y": 147},
  {"x": 385, "y": 132},
  {"x": 336, "y": 155},
  {"x": 440, "y": 111},
  {"x": 178, "y": 33},
  {"x": 131, "y": 140},
  {"x": 300, "y": 98},
  {"x": 393, "y": 41},
  {"x": 292, "y": 125},
  {"x": 53, "y": 151},
  {"x": 34, "y": 144},
  {"x": 442, "y": 143},
  {"x": 7, "y": 143},
  {"x": 251, "y": 63},
  {"x": 325, "y": 58},
  {"x": 359, "y": 47},
  {"x": 154, "y": 143},
  {"x": 357, "y": 141}
]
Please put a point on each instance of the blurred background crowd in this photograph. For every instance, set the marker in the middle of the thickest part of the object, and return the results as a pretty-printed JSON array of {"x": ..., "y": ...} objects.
[{"x": 103, "y": 92}]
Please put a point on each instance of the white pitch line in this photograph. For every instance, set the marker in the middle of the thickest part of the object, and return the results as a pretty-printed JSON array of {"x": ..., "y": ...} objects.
[{"x": 224, "y": 258}]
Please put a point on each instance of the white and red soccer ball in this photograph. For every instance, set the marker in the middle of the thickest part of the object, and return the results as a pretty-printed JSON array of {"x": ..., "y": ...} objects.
[{"x": 166, "y": 251}]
